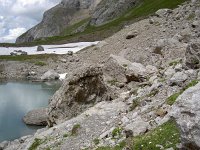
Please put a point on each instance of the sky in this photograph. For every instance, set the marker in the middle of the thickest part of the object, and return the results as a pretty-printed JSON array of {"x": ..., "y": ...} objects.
[{"x": 17, "y": 16}]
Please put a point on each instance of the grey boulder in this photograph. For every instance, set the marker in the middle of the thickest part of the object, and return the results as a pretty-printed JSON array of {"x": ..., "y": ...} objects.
[
  {"x": 193, "y": 56},
  {"x": 123, "y": 70},
  {"x": 36, "y": 117},
  {"x": 40, "y": 48},
  {"x": 186, "y": 112},
  {"x": 178, "y": 78},
  {"x": 50, "y": 75}
]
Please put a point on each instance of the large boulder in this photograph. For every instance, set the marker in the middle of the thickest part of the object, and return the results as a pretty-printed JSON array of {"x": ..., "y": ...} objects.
[
  {"x": 186, "y": 112},
  {"x": 193, "y": 55},
  {"x": 82, "y": 89},
  {"x": 123, "y": 70},
  {"x": 50, "y": 75},
  {"x": 163, "y": 12},
  {"x": 36, "y": 117}
]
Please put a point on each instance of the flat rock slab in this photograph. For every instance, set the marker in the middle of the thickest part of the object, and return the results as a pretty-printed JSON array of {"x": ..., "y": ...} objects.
[{"x": 36, "y": 117}]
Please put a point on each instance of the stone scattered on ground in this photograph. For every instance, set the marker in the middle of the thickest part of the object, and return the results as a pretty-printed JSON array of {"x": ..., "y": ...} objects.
[{"x": 40, "y": 48}]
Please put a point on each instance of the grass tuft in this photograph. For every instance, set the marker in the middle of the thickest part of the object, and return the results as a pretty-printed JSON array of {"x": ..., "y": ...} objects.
[
  {"x": 40, "y": 63},
  {"x": 166, "y": 135},
  {"x": 35, "y": 144},
  {"x": 75, "y": 129},
  {"x": 96, "y": 141}
]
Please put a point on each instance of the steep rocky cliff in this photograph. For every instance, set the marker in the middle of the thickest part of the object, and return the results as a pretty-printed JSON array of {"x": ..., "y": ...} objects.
[
  {"x": 59, "y": 17},
  {"x": 69, "y": 12}
]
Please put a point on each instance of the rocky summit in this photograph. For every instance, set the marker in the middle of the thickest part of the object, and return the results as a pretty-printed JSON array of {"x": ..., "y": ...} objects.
[{"x": 135, "y": 90}]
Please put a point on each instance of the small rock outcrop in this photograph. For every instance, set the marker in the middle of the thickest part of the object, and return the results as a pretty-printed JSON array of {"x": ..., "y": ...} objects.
[
  {"x": 123, "y": 70},
  {"x": 186, "y": 112},
  {"x": 193, "y": 55},
  {"x": 50, "y": 75},
  {"x": 36, "y": 117},
  {"x": 82, "y": 89}
]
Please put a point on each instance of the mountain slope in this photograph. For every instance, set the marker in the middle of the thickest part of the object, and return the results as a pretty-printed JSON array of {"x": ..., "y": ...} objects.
[
  {"x": 69, "y": 12},
  {"x": 58, "y": 17}
]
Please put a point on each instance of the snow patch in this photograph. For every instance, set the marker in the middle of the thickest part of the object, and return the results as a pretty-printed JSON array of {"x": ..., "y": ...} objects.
[
  {"x": 49, "y": 49},
  {"x": 62, "y": 76}
]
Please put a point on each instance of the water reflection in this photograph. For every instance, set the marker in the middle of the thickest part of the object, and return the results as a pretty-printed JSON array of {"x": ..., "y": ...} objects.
[{"x": 16, "y": 99}]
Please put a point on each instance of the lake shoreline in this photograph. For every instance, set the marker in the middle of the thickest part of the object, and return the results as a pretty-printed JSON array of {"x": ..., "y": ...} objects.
[{"x": 32, "y": 96}]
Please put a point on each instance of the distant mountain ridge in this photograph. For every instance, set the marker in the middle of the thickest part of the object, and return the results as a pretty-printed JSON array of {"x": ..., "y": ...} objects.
[{"x": 70, "y": 12}]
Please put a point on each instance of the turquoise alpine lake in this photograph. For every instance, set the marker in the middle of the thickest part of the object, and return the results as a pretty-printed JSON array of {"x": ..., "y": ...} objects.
[{"x": 16, "y": 99}]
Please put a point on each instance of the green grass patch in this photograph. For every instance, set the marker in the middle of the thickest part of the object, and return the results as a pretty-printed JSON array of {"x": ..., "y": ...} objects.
[
  {"x": 65, "y": 135},
  {"x": 69, "y": 30},
  {"x": 191, "y": 84},
  {"x": 75, "y": 129},
  {"x": 175, "y": 62},
  {"x": 171, "y": 100},
  {"x": 40, "y": 63},
  {"x": 117, "y": 132},
  {"x": 96, "y": 141},
  {"x": 30, "y": 58},
  {"x": 37, "y": 142},
  {"x": 166, "y": 135}
]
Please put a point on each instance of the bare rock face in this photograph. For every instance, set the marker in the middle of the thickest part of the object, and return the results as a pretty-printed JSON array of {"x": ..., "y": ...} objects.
[
  {"x": 69, "y": 12},
  {"x": 81, "y": 90},
  {"x": 186, "y": 112},
  {"x": 109, "y": 9},
  {"x": 58, "y": 18},
  {"x": 193, "y": 55},
  {"x": 36, "y": 117}
]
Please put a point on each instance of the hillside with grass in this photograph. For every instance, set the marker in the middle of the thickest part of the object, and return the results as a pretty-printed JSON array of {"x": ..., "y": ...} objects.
[{"x": 84, "y": 31}]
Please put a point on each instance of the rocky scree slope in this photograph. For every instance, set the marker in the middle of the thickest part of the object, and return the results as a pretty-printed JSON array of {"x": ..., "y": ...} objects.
[
  {"x": 151, "y": 70},
  {"x": 69, "y": 12}
]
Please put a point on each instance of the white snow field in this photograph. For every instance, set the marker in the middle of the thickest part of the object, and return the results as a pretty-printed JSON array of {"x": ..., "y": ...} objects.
[{"x": 49, "y": 49}]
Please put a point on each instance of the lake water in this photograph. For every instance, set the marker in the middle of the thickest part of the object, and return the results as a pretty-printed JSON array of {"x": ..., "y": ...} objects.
[{"x": 16, "y": 99}]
